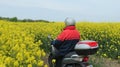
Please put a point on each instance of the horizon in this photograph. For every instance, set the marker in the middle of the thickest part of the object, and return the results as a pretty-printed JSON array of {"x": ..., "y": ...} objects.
[{"x": 63, "y": 21}]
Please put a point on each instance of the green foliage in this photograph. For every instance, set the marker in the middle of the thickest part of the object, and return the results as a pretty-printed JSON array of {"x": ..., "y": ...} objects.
[{"x": 15, "y": 19}]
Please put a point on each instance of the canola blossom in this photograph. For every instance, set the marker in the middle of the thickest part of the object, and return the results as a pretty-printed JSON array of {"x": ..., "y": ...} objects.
[
  {"x": 24, "y": 44},
  {"x": 18, "y": 47}
]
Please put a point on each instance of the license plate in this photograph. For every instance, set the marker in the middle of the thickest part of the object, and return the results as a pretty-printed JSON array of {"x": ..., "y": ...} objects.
[{"x": 90, "y": 66}]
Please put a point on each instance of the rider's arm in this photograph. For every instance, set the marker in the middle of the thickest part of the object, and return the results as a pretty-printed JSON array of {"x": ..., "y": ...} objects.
[{"x": 59, "y": 40}]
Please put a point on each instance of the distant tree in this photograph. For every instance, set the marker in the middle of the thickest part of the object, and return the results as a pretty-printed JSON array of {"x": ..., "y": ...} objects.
[
  {"x": 24, "y": 20},
  {"x": 30, "y": 20},
  {"x": 0, "y": 18},
  {"x": 42, "y": 21},
  {"x": 14, "y": 19},
  {"x": 4, "y": 18},
  {"x": 27, "y": 20}
]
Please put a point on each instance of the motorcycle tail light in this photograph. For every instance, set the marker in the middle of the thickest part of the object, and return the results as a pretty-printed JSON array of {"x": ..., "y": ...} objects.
[{"x": 85, "y": 59}]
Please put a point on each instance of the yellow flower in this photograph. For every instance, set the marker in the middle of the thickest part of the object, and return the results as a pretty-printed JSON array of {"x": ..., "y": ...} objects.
[
  {"x": 2, "y": 65},
  {"x": 23, "y": 46},
  {"x": 116, "y": 49},
  {"x": 104, "y": 55},
  {"x": 43, "y": 53},
  {"x": 19, "y": 56},
  {"x": 45, "y": 65},
  {"x": 29, "y": 65},
  {"x": 118, "y": 57},
  {"x": 53, "y": 60},
  {"x": 38, "y": 53},
  {"x": 40, "y": 63},
  {"x": 16, "y": 64},
  {"x": 8, "y": 60}
]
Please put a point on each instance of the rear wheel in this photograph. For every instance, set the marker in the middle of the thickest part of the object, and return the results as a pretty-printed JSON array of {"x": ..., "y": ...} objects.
[
  {"x": 70, "y": 65},
  {"x": 82, "y": 65},
  {"x": 86, "y": 65},
  {"x": 75, "y": 65}
]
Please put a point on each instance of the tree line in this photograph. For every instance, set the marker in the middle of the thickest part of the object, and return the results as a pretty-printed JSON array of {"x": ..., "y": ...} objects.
[{"x": 15, "y": 19}]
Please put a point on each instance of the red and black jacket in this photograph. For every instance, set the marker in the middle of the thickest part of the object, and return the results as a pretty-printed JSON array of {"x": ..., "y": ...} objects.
[{"x": 66, "y": 41}]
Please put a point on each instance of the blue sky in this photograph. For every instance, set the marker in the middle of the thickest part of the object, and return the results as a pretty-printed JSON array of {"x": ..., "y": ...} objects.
[{"x": 58, "y": 10}]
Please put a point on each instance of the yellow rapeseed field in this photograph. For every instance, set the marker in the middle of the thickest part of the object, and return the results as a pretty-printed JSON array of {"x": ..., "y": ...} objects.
[{"x": 23, "y": 44}]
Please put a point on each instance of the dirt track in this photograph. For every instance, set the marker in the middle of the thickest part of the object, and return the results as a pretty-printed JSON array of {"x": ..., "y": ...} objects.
[{"x": 105, "y": 62}]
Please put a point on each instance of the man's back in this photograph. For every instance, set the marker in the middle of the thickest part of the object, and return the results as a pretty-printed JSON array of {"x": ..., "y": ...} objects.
[{"x": 66, "y": 41}]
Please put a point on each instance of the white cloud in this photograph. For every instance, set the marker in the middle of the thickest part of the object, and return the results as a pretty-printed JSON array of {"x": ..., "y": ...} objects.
[{"x": 49, "y": 4}]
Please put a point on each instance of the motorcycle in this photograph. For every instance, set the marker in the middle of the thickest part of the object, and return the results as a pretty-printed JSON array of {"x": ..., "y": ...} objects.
[{"x": 79, "y": 57}]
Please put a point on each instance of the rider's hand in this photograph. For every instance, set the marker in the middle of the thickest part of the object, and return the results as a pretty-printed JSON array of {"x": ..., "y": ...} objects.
[{"x": 52, "y": 42}]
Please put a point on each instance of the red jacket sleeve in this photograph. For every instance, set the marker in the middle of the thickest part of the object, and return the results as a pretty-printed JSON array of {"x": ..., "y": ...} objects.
[{"x": 61, "y": 36}]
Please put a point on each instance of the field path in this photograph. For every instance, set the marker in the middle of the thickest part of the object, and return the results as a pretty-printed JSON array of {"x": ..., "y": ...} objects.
[{"x": 104, "y": 62}]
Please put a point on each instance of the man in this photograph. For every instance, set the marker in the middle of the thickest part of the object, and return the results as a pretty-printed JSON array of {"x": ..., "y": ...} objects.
[{"x": 66, "y": 40}]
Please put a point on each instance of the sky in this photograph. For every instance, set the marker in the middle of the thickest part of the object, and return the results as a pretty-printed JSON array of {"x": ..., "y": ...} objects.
[{"x": 58, "y": 10}]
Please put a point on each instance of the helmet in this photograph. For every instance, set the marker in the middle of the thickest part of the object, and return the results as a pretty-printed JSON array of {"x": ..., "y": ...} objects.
[{"x": 69, "y": 21}]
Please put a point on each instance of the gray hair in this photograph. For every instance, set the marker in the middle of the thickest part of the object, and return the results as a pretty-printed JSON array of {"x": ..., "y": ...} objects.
[{"x": 70, "y": 22}]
